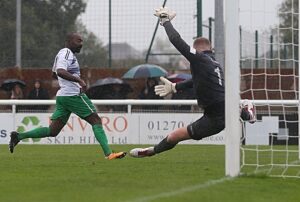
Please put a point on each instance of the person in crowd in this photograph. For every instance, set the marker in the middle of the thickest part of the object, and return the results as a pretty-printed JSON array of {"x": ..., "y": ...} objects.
[
  {"x": 183, "y": 94},
  {"x": 148, "y": 91},
  {"x": 17, "y": 92},
  {"x": 38, "y": 93}
]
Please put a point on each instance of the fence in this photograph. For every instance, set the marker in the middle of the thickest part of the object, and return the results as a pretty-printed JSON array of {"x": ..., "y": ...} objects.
[
  {"x": 146, "y": 124},
  {"x": 116, "y": 33}
]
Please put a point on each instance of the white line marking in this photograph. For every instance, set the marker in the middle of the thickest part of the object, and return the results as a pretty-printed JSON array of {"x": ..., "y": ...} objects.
[{"x": 182, "y": 190}]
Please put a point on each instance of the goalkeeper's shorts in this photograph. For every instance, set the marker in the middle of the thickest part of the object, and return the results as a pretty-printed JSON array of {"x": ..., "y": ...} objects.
[{"x": 209, "y": 124}]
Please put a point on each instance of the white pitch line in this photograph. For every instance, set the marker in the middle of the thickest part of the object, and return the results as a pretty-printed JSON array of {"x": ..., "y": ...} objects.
[{"x": 183, "y": 190}]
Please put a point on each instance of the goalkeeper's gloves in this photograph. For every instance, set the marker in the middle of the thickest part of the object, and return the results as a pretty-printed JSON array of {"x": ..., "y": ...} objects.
[
  {"x": 165, "y": 89},
  {"x": 164, "y": 14},
  {"x": 248, "y": 111}
]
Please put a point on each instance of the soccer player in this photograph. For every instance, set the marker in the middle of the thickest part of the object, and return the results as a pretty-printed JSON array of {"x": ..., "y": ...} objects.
[
  {"x": 208, "y": 83},
  {"x": 69, "y": 98}
]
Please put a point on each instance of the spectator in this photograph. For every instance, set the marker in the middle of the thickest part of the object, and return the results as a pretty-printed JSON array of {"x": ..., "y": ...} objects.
[
  {"x": 38, "y": 93},
  {"x": 114, "y": 92},
  {"x": 17, "y": 92},
  {"x": 184, "y": 94},
  {"x": 148, "y": 91}
]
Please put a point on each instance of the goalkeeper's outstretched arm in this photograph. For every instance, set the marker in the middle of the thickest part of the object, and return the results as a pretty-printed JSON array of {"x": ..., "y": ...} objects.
[
  {"x": 178, "y": 42},
  {"x": 165, "y": 16},
  {"x": 184, "y": 84}
]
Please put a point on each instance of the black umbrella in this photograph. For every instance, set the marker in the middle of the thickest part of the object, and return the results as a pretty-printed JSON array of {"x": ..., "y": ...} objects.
[
  {"x": 105, "y": 89},
  {"x": 9, "y": 84}
]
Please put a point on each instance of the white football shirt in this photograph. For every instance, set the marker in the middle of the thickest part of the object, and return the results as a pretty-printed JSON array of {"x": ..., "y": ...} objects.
[{"x": 65, "y": 59}]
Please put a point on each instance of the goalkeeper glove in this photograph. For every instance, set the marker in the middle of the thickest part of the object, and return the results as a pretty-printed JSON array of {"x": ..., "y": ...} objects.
[
  {"x": 248, "y": 111},
  {"x": 165, "y": 89},
  {"x": 164, "y": 14}
]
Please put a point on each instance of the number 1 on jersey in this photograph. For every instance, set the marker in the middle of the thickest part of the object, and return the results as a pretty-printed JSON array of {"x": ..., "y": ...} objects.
[{"x": 217, "y": 70}]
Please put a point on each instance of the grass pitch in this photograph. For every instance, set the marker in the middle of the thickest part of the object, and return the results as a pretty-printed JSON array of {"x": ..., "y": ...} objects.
[{"x": 80, "y": 173}]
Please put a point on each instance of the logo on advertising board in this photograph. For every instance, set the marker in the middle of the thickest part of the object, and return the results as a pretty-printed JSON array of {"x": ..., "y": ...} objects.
[
  {"x": 76, "y": 130},
  {"x": 29, "y": 123}
]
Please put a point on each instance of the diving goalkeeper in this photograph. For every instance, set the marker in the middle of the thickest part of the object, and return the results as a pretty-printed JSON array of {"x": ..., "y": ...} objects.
[{"x": 208, "y": 83}]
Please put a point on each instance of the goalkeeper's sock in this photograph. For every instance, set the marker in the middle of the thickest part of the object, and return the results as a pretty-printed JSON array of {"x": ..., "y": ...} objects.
[
  {"x": 164, "y": 145},
  {"x": 102, "y": 139},
  {"x": 35, "y": 133}
]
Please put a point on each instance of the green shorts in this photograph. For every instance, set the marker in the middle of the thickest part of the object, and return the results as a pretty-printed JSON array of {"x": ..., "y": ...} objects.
[{"x": 80, "y": 105}]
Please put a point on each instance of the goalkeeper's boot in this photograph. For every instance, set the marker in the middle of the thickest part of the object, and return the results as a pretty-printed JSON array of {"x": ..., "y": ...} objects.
[
  {"x": 142, "y": 152},
  {"x": 117, "y": 155},
  {"x": 248, "y": 111},
  {"x": 13, "y": 141}
]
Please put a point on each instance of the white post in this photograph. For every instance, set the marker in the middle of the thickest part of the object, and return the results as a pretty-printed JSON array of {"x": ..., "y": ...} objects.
[
  {"x": 14, "y": 111},
  {"x": 232, "y": 88},
  {"x": 18, "y": 34},
  {"x": 219, "y": 28},
  {"x": 298, "y": 79}
]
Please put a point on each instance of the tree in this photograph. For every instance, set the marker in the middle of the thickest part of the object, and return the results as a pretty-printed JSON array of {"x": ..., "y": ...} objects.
[
  {"x": 163, "y": 46},
  {"x": 93, "y": 54},
  {"x": 7, "y": 36},
  {"x": 45, "y": 24},
  {"x": 288, "y": 18}
]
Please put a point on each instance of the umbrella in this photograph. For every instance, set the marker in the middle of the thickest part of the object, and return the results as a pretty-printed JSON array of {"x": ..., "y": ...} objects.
[
  {"x": 179, "y": 77},
  {"x": 9, "y": 84},
  {"x": 104, "y": 88},
  {"x": 108, "y": 81},
  {"x": 145, "y": 71}
]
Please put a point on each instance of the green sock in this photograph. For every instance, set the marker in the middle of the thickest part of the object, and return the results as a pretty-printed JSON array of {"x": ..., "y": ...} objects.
[
  {"x": 35, "y": 133},
  {"x": 102, "y": 139}
]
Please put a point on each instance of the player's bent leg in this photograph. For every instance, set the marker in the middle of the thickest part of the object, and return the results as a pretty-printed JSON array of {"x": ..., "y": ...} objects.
[
  {"x": 116, "y": 155},
  {"x": 41, "y": 132},
  {"x": 56, "y": 126},
  {"x": 35, "y": 133},
  {"x": 172, "y": 140},
  {"x": 142, "y": 152},
  {"x": 167, "y": 143},
  {"x": 100, "y": 135},
  {"x": 178, "y": 135},
  {"x": 15, "y": 137},
  {"x": 13, "y": 141}
]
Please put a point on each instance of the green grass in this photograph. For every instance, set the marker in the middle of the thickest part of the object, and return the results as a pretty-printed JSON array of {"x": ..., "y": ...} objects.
[{"x": 80, "y": 173}]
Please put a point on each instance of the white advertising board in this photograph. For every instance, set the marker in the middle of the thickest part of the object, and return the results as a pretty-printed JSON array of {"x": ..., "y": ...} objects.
[
  {"x": 135, "y": 128},
  {"x": 155, "y": 127}
]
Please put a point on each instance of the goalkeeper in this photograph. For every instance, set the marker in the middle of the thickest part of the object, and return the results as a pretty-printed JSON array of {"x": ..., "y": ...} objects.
[{"x": 208, "y": 83}]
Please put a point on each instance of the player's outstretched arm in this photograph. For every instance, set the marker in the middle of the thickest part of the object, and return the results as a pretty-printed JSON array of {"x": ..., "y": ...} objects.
[
  {"x": 184, "y": 84},
  {"x": 165, "y": 16}
]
